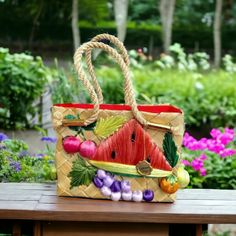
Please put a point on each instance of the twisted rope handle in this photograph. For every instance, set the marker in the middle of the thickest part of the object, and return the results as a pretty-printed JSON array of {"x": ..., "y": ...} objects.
[
  {"x": 119, "y": 45},
  {"x": 128, "y": 87}
]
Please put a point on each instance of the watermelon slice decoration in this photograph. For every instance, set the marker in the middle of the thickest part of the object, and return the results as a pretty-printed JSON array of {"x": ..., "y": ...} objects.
[{"x": 129, "y": 146}]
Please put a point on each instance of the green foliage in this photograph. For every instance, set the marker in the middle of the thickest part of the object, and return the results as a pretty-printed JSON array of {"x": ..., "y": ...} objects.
[
  {"x": 66, "y": 84},
  {"x": 206, "y": 98},
  {"x": 221, "y": 172},
  {"x": 170, "y": 150},
  {"x": 22, "y": 79},
  {"x": 81, "y": 173},
  {"x": 18, "y": 165}
]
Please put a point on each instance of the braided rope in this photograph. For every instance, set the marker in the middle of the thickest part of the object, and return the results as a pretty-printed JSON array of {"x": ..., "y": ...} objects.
[
  {"x": 119, "y": 45},
  {"x": 128, "y": 87}
]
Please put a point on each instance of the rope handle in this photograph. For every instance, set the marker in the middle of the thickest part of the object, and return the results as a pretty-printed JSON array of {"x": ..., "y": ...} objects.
[
  {"x": 95, "y": 91},
  {"x": 128, "y": 87},
  {"x": 104, "y": 38}
]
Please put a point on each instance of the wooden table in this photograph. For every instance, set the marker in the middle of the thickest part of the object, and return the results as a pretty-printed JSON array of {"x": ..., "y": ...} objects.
[{"x": 24, "y": 205}]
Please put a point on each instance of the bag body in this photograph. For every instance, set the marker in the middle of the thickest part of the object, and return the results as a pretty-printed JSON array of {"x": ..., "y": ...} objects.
[{"x": 115, "y": 151}]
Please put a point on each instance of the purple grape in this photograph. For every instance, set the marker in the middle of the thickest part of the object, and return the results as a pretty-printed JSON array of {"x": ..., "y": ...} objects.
[
  {"x": 106, "y": 191},
  {"x": 125, "y": 186},
  {"x": 97, "y": 182},
  {"x": 116, "y": 186},
  {"x": 148, "y": 195},
  {"x": 137, "y": 196},
  {"x": 127, "y": 196},
  {"x": 108, "y": 181},
  {"x": 116, "y": 196},
  {"x": 101, "y": 174}
]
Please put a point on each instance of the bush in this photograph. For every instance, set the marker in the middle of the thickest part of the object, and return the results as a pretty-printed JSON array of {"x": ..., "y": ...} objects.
[
  {"x": 208, "y": 98},
  {"x": 211, "y": 162},
  {"x": 22, "y": 79},
  {"x": 18, "y": 165}
]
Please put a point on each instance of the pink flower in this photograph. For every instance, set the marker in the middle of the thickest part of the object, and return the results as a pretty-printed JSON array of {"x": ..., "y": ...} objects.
[
  {"x": 227, "y": 152},
  {"x": 186, "y": 162},
  {"x": 202, "y": 171},
  {"x": 203, "y": 157},
  {"x": 197, "y": 164}
]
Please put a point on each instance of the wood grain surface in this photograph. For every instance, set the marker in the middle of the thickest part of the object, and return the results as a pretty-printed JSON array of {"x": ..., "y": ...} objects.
[{"x": 39, "y": 202}]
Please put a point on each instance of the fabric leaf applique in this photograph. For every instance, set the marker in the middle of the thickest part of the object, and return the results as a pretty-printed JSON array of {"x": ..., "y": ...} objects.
[
  {"x": 107, "y": 126},
  {"x": 170, "y": 150},
  {"x": 81, "y": 173}
]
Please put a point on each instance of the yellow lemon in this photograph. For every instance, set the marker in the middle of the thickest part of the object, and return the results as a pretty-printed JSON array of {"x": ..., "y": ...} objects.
[{"x": 183, "y": 177}]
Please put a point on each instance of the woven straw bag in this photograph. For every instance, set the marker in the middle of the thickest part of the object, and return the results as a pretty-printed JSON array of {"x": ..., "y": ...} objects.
[{"x": 114, "y": 151}]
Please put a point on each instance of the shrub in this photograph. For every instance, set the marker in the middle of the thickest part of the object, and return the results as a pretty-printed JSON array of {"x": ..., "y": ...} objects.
[
  {"x": 207, "y": 98},
  {"x": 18, "y": 165},
  {"x": 22, "y": 79},
  {"x": 211, "y": 162}
]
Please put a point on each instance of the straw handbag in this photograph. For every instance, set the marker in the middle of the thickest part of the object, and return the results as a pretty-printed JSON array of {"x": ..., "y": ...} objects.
[{"x": 121, "y": 152}]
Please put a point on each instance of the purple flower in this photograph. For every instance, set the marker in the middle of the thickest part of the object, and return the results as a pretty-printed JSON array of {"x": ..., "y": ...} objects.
[
  {"x": 16, "y": 165},
  {"x": 3, "y": 137},
  {"x": 23, "y": 154},
  {"x": 40, "y": 156},
  {"x": 49, "y": 139}
]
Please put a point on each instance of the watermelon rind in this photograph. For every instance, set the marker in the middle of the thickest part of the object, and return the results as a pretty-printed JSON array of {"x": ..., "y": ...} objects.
[{"x": 127, "y": 169}]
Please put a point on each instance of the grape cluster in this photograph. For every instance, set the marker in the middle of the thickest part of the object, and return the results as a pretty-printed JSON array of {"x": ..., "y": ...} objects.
[{"x": 117, "y": 190}]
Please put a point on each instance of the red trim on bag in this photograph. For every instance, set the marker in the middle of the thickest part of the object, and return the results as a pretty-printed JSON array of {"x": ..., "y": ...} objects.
[{"x": 121, "y": 107}]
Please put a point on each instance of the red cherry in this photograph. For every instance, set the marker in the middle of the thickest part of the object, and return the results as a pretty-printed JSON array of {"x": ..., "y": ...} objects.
[
  {"x": 87, "y": 148},
  {"x": 71, "y": 144}
]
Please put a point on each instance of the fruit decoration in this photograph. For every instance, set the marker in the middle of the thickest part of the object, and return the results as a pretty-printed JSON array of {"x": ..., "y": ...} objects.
[
  {"x": 128, "y": 146},
  {"x": 137, "y": 196},
  {"x": 169, "y": 184},
  {"x": 98, "y": 182},
  {"x": 125, "y": 186},
  {"x": 87, "y": 149},
  {"x": 116, "y": 186},
  {"x": 71, "y": 144},
  {"x": 106, "y": 191},
  {"x": 148, "y": 195},
  {"x": 101, "y": 174},
  {"x": 170, "y": 150},
  {"x": 182, "y": 177},
  {"x": 107, "y": 126},
  {"x": 127, "y": 196},
  {"x": 108, "y": 181},
  {"x": 115, "y": 196},
  {"x": 81, "y": 173}
]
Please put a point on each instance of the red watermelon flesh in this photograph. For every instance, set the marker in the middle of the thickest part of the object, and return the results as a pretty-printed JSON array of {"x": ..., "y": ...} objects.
[{"x": 129, "y": 145}]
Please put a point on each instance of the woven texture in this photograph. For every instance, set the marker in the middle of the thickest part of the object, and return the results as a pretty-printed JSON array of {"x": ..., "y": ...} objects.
[
  {"x": 64, "y": 161},
  {"x": 172, "y": 121}
]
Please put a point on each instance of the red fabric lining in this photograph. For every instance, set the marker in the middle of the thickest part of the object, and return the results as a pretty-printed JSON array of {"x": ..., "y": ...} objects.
[{"x": 121, "y": 107}]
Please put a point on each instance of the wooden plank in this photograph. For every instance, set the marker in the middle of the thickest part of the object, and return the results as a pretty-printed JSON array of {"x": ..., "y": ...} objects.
[
  {"x": 62, "y": 200},
  {"x": 199, "y": 230},
  {"x": 103, "y": 229},
  {"x": 209, "y": 206},
  {"x": 16, "y": 231},
  {"x": 37, "y": 228},
  {"x": 38, "y": 186}
]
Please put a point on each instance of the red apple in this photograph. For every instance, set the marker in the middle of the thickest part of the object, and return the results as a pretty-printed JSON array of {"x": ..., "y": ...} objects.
[
  {"x": 71, "y": 144},
  {"x": 87, "y": 148}
]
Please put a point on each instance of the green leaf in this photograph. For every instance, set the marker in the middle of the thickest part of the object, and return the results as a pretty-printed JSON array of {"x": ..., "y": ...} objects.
[
  {"x": 81, "y": 173},
  {"x": 72, "y": 117},
  {"x": 106, "y": 127},
  {"x": 170, "y": 150},
  {"x": 90, "y": 126}
]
